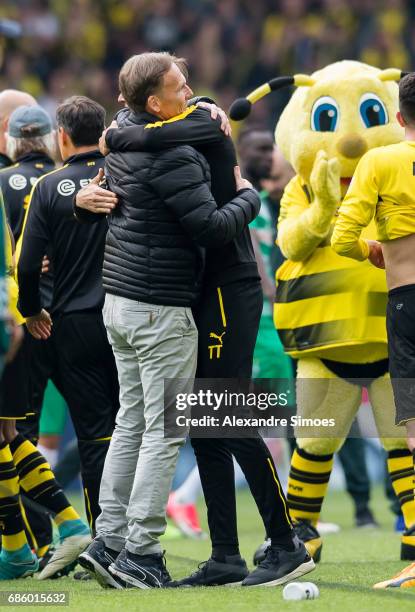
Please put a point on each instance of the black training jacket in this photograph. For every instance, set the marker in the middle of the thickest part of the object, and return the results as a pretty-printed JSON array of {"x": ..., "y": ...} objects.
[
  {"x": 76, "y": 251},
  {"x": 16, "y": 182},
  {"x": 166, "y": 215},
  {"x": 235, "y": 260}
]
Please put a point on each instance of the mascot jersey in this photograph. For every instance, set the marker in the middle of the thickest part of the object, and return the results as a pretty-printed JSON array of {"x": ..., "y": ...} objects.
[{"x": 327, "y": 305}]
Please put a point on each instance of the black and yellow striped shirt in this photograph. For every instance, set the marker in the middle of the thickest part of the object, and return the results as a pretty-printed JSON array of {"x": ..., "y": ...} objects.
[{"x": 327, "y": 305}]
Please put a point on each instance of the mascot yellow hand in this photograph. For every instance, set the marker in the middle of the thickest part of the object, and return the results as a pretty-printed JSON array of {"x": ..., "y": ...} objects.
[
  {"x": 325, "y": 185},
  {"x": 304, "y": 226}
]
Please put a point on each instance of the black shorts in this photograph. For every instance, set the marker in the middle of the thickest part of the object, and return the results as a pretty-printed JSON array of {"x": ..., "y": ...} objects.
[
  {"x": 362, "y": 374},
  {"x": 14, "y": 386},
  {"x": 42, "y": 361},
  {"x": 400, "y": 320},
  {"x": 79, "y": 360}
]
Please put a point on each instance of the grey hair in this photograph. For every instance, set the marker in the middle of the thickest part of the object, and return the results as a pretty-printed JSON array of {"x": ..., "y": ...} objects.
[{"x": 17, "y": 147}]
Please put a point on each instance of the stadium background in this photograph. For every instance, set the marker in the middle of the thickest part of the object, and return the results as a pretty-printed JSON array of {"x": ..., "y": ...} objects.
[
  {"x": 78, "y": 46},
  {"x": 232, "y": 45}
]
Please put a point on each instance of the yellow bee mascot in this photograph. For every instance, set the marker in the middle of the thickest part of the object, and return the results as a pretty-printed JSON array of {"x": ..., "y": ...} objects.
[{"x": 330, "y": 310}]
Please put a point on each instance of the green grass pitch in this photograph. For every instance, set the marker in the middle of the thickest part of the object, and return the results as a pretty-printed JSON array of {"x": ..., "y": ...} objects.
[{"x": 352, "y": 561}]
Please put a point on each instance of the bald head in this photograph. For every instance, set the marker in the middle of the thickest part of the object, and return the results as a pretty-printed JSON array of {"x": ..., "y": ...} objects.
[{"x": 10, "y": 99}]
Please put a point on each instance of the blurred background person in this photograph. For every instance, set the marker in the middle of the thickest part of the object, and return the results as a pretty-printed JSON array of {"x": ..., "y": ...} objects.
[{"x": 233, "y": 45}]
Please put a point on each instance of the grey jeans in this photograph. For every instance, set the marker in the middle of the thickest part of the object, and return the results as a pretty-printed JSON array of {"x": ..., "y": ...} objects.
[{"x": 150, "y": 343}]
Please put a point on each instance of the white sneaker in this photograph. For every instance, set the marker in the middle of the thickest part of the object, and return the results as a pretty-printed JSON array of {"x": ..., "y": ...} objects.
[{"x": 66, "y": 553}]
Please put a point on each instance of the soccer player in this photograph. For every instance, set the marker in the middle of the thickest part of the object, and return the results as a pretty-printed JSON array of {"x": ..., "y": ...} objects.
[
  {"x": 30, "y": 146},
  {"x": 27, "y": 145},
  {"x": 23, "y": 467},
  {"x": 81, "y": 363},
  {"x": 383, "y": 188},
  {"x": 30, "y": 137}
]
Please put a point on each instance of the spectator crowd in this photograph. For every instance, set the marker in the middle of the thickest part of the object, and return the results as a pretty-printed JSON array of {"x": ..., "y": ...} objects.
[{"x": 233, "y": 45}]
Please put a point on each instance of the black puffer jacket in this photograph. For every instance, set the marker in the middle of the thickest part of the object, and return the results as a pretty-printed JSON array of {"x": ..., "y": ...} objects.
[{"x": 166, "y": 214}]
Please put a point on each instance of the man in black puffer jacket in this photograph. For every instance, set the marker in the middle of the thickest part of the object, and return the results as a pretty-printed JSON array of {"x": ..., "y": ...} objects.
[{"x": 152, "y": 274}]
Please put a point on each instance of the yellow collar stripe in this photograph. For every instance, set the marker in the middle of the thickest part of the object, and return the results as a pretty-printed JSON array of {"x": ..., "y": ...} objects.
[
  {"x": 16, "y": 165},
  {"x": 183, "y": 115}
]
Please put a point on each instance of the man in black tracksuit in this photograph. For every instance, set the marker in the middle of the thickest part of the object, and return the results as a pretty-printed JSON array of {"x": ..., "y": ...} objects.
[
  {"x": 230, "y": 308},
  {"x": 79, "y": 359},
  {"x": 32, "y": 160},
  {"x": 16, "y": 182}
]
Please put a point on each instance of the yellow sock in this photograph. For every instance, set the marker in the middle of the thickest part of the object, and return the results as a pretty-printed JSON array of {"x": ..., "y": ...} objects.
[
  {"x": 38, "y": 481},
  {"x": 31, "y": 538},
  {"x": 11, "y": 521},
  {"x": 307, "y": 484},
  {"x": 402, "y": 474},
  {"x": 68, "y": 514}
]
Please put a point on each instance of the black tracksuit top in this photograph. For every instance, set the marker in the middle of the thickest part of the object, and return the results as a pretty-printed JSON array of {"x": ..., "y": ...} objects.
[
  {"x": 16, "y": 182},
  {"x": 76, "y": 250}
]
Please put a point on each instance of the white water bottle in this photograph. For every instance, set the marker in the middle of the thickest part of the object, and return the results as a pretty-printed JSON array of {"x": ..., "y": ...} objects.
[{"x": 300, "y": 590}]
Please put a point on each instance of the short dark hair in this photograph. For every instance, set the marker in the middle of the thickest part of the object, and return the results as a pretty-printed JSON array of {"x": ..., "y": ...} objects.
[
  {"x": 82, "y": 119},
  {"x": 141, "y": 76},
  {"x": 407, "y": 97}
]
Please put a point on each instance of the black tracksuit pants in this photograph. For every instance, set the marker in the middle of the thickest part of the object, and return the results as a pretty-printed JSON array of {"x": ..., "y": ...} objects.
[{"x": 232, "y": 312}]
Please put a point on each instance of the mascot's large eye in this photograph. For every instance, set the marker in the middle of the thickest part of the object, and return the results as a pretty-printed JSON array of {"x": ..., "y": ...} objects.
[
  {"x": 372, "y": 110},
  {"x": 325, "y": 115}
]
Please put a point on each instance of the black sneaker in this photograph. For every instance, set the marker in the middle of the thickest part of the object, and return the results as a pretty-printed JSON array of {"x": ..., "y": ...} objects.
[
  {"x": 261, "y": 551},
  {"x": 307, "y": 534},
  {"x": 311, "y": 538},
  {"x": 96, "y": 559},
  {"x": 280, "y": 566},
  {"x": 83, "y": 576},
  {"x": 365, "y": 518},
  {"x": 142, "y": 571},
  {"x": 408, "y": 544},
  {"x": 230, "y": 572}
]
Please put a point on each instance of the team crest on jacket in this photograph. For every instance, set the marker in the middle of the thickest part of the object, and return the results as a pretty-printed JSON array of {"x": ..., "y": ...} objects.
[
  {"x": 17, "y": 181},
  {"x": 66, "y": 187}
]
